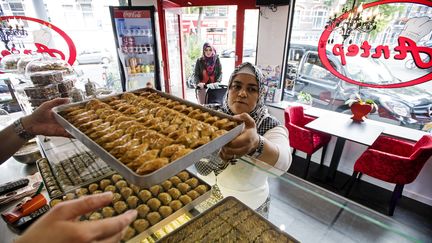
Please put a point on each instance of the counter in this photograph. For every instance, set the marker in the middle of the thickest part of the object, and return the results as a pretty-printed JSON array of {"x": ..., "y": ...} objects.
[{"x": 305, "y": 211}]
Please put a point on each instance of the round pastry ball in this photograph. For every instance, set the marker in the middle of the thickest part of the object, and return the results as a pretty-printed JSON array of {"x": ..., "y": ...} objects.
[
  {"x": 185, "y": 199},
  {"x": 154, "y": 204},
  {"x": 176, "y": 205},
  {"x": 128, "y": 233},
  {"x": 144, "y": 195},
  {"x": 183, "y": 187},
  {"x": 116, "y": 177},
  {"x": 156, "y": 189},
  {"x": 111, "y": 188},
  {"x": 193, "y": 182},
  {"x": 104, "y": 183},
  {"x": 132, "y": 201},
  {"x": 93, "y": 187},
  {"x": 95, "y": 216},
  {"x": 120, "y": 207},
  {"x": 153, "y": 218},
  {"x": 143, "y": 210},
  {"x": 165, "y": 211},
  {"x": 165, "y": 198},
  {"x": 184, "y": 175},
  {"x": 97, "y": 192},
  {"x": 55, "y": 202},
  {"x": 69, "y": 196},
  {"x": 121, "y": 183},
  {"x": 201, "y": 189},
  {"x": 174, "y": 193},
  {"x": 167, "y": 185},
  {"x": 175, "y": 180},
  {"x": 140, "y": 225},
  {"x": 116, "y": 197},
  {"x": 81, "y": 192},
  {"x": 126, "y": 192},
  {"x": 193, "y": 194},
  {"x": 135, "y": 188},
  {"x": 108, "y": 212}
]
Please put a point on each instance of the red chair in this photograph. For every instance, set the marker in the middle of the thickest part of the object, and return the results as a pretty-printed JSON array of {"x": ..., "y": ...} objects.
[
  {"x": 393, "y": 161},
  {"x": 302, "y": 138}
]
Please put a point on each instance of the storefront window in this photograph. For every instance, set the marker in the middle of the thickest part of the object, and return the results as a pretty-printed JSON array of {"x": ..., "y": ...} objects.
[
  {"x": 407, "y": 103},
  {"x": 87, "y": 23}
]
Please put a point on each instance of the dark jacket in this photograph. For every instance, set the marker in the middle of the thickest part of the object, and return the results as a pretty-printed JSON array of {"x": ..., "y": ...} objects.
[{"x": 200, "y": 66}]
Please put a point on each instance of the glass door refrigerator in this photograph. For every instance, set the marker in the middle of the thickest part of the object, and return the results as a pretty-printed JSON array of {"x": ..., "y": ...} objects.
[{"x": 134, "y": 30}]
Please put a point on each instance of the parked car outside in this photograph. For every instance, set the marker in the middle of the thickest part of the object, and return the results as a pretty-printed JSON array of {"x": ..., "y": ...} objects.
[
  {"x": 247, "y": 52},
  {"x": 93, "y": 56},
  {"x": 408, "y": 106}
]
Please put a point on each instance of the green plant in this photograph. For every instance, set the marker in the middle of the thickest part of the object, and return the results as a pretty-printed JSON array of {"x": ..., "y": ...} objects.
[
  {"x": 358, "y": 99},
  {"x": 304, "y": 97}
]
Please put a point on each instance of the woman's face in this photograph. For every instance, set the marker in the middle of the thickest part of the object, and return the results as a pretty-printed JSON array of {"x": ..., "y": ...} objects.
[
  {"x": 243, "y": 94},
  {"x": 208, "y": 51}
]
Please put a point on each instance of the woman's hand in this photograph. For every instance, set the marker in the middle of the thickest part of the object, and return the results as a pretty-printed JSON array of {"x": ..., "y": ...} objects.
[
  {"x": 60, "y": 223},
  {"x": 244, "y": 143},
  {"x": 201, "y": 85},
  {"x": 42, "y": 121}
]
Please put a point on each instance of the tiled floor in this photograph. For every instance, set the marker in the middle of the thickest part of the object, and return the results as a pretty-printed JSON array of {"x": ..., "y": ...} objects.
[{"x": 417, "y": 216}]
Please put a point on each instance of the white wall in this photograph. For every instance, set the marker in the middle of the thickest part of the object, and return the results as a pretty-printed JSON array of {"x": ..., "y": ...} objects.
[
  {"x": 271, "y": 37},
  {"x": 419, "y": 190}
]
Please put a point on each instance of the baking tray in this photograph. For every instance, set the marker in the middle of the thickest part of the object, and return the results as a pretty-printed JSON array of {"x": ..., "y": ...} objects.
[
  {"x": 50, "y": 172},
  {"x": 153, "y": 229},
  {"x": 223, "y": 215},
  {"x": 165, "y": 172}
]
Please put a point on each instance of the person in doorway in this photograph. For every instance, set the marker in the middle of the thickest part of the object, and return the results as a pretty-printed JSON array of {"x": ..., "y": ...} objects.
[
  {"x": 263, "y": 138},
  {"x": 208, "y": 71},
  {"x": 60, "y": 223}
]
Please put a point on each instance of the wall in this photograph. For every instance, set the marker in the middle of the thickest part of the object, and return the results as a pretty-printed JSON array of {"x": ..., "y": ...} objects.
[
  {"x": 419, "y": 190},
  {"x": 271, "y": 35}
]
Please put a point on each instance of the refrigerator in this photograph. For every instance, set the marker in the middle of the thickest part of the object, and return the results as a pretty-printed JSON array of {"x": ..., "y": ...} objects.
[{"x": 135, "y": 37}]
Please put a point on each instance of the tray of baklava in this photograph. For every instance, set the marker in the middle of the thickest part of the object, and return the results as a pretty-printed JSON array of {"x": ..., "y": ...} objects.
[
  {"x": 228, "y": 221},
  {"x": 147, "y": 135},
  {"x": 72, "y": 171},
  {"x": 157, "y": 205}
]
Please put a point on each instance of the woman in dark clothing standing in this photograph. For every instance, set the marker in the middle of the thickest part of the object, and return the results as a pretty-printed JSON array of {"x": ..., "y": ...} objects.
[{"x": 208, "y": 70}]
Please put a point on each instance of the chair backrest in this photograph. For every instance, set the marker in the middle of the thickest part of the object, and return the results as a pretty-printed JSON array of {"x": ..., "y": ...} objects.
[
  {"x": 215, "y": 95},
  {"x": 422, "y": 151},
  {"x": 296, "y": 115}
]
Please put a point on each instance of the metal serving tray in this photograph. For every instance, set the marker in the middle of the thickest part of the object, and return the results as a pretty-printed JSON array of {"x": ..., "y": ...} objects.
[
  {"x": 171, "y": 237},
  {"x": 153, "y": 229},
  {"x": 165, "y": 172}
]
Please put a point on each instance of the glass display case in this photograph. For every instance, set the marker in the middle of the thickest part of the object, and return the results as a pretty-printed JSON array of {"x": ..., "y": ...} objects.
[{"x": 305, "y": 211}]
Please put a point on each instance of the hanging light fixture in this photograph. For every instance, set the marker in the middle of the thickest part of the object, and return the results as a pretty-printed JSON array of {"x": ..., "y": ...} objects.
[
  {"x": 8, "y": 33},
  {"x": 356, "y": 20}
]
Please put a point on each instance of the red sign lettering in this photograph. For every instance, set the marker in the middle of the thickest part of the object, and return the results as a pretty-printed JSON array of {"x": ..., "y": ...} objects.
[{"x": 406, "y": 48}]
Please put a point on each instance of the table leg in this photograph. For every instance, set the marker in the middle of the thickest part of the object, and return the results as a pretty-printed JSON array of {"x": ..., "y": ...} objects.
[{"x": 340, "y": 143}]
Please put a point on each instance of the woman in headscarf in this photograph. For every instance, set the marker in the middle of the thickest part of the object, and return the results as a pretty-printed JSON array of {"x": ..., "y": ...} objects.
[
  {"x": 208, "y": 70},
  {"x": 263, "y": 138}
]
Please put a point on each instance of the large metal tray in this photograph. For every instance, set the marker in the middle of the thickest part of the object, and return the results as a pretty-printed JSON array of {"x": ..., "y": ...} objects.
[
  {"x": 165, "y": 172},
  {"x": 153, "y": 229},
  {"x": 195, "y": 228}
]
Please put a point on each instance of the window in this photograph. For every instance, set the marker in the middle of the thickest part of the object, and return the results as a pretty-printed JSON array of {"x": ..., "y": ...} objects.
[
  {"x": 320, "y": 17},
  {"x": 407, "y": 106}
]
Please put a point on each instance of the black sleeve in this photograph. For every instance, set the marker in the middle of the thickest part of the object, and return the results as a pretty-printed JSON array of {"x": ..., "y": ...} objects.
[
  {"x": 218, "y": 71},
  {"x": 198, "y": 71}
]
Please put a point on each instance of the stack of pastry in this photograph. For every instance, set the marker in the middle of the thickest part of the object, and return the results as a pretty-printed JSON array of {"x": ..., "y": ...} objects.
[
  {"x": 153, "y": 204},
  {"x": 146, "y": 131},
  {"x": 230, "y": 221}
]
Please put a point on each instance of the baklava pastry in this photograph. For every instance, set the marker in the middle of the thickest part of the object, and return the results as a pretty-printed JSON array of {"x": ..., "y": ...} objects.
[
  {"x": 140, "y": 225},
  {"x": 180, "y": 153},
  {"x": 132, "y": 201},
  {"x": 176, "y": 205},
  {"x": 108, "y": 212},
  {"x": 153, "y": 218},
  {"x": 168, "y": 151},
  {"x": 120, "y": 207},
  {"x": 126, "y": 192},
  {"x": 144, "y": 195},
  {"x": 152, "y": 165},
  {"x": 155, "y": 190},
  {"x": 143, "y": 210},
  {"x": 165, "y": 198},
  {"x": 153, "y": 204},
  {"x": 144, "y": 158},
  {"x": 165, "y": 211}
]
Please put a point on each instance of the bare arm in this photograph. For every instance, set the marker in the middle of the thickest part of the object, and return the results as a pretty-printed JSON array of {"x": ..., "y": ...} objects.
[
  {"x": 40, "y": 122},
  {"x": 248, "y": 141}
]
